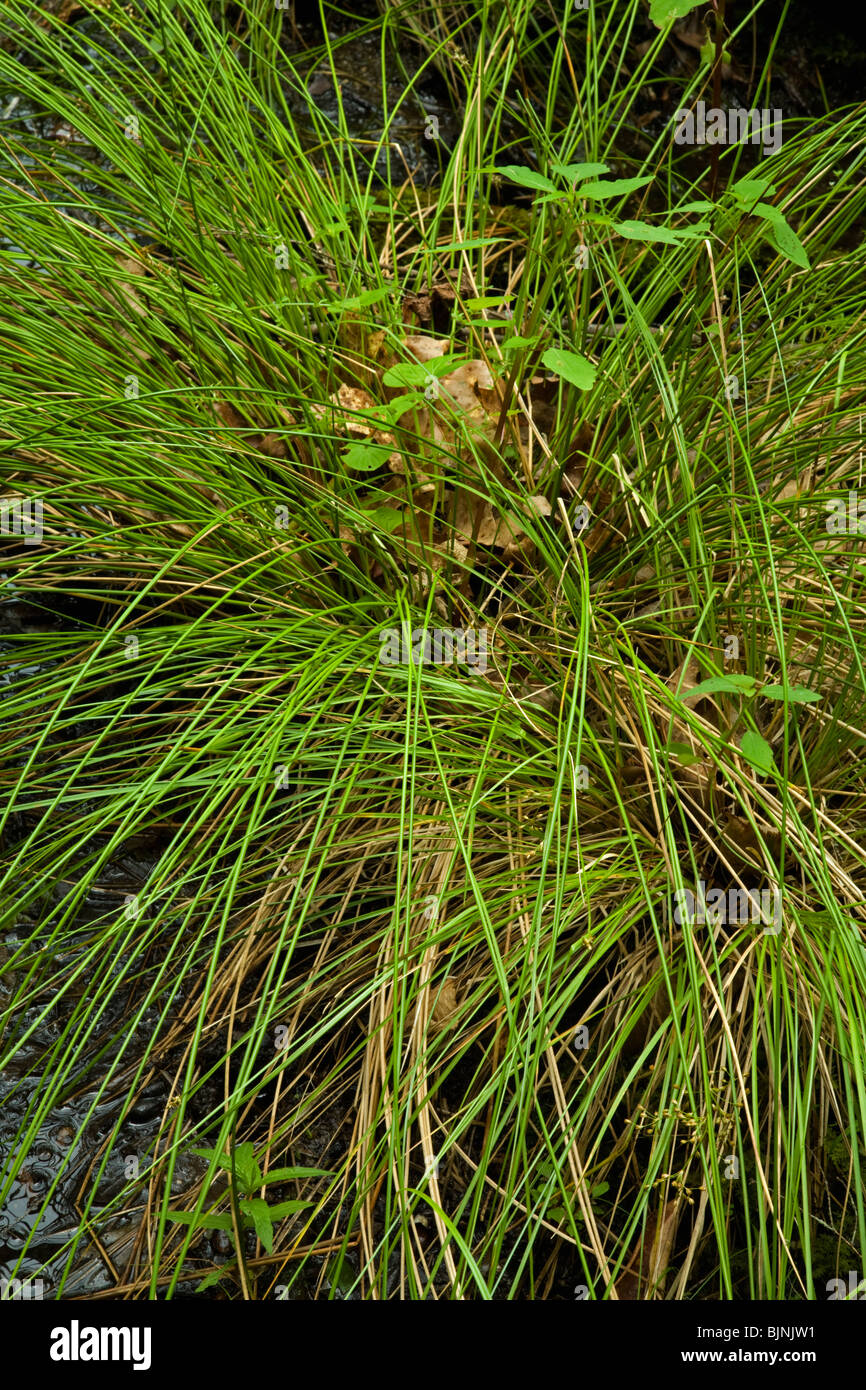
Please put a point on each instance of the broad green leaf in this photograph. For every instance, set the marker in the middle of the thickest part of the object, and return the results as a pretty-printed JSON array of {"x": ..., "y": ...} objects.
[
  {"x": 748, "y": 189},
  {"x": 416, "y": 373},
  {"x": 287, "y": 1174},
  {"x": 391, "y": 412},
  {"x": 407, "y": 374},
  {"x": 664, "y": 12},
  {"x": 695, "y": 232},
  {"x": 512, "y": 344},
  {"x": 256, "y": 1208},
  {"x": 798, "y": 694},
  {"x": 684, "y": 753},
  {"x": 757, "y": 751},
  {"x": 573, "y": 172},
  {"x": 280, "y": 1209},
  {"x": 383, "y": 518},
  {"x": 485, "y": 301},
  {"x": 249, "y": 1174},
  {"x": 211, "y": 1279},
  {"x": 782, "y": 235},
  {"x": 786, "y": 241},
  {"x": 727, "y": 684},
  {"x": 358, "y": 301},
  {"x": 571, "y": 367},
  {"x": 708, "y": 52},
  {"x": 642, "y": 231},
  {"x": 447, "y": 363},
  {"x": 699, "y": 205},
  {"x": 613, "y": 188},
  {"x": 527, "y": 178},
  {"x": 364, "y": 458},
  {"x": 205, "y": 1221}
]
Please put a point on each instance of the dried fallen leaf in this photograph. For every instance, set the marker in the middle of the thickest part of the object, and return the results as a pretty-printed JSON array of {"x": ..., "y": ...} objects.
[
  {"x": 476, "y": 519},
  {"x": 642, "y": 1276},
  {"x": 128, "y": 300},
  {"x": 471, "y": 387},
  {"x": 434, "y": 308},
  {"x": 424, "y": 349},
  {"x": 131, "y": 267},
  {"x": 446, "y": 1004},
  {"x": 347, "y": 403}
]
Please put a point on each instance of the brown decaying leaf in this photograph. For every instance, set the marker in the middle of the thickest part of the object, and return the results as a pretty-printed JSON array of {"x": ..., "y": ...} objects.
[
  {"x": 643, "y": 1275},
  {"x": 445, "y": 1005},
  {"x": 346, "y": 404},
  {"x": 430, "y": 309},
  {"x": 471, "y": 391}
]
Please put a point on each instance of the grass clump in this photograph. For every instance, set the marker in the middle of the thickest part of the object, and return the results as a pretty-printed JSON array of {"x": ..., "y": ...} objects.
[{"x": 391, "y": 956}]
